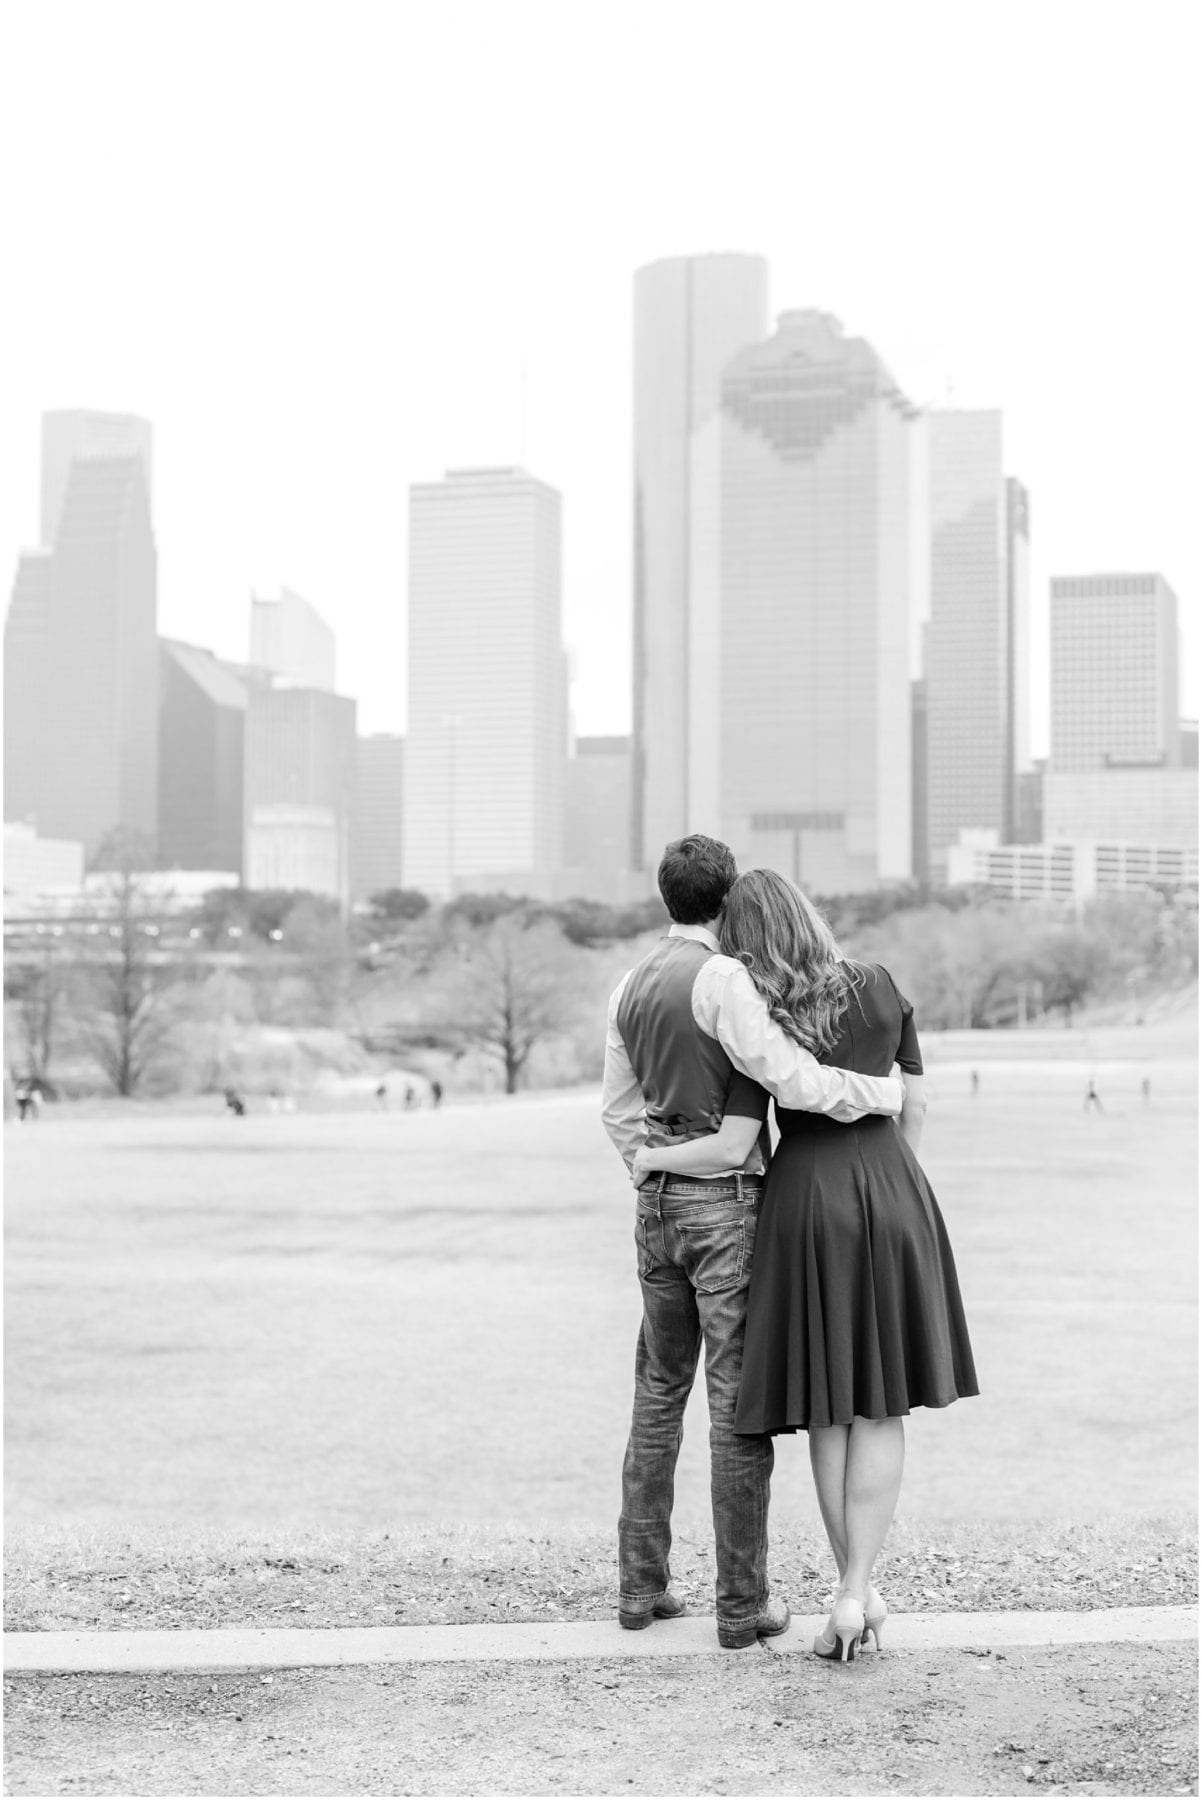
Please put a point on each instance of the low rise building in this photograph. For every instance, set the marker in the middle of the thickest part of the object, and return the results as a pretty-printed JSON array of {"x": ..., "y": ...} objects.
[
  {"x": 1067, "y": 872},
  {"x": 36, "y": 865}
]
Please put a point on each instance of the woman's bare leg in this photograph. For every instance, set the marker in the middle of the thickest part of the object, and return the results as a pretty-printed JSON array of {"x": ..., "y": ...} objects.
[
  {"x": 876, "y": 1454},
  {"x": 828, "y": 1460}
]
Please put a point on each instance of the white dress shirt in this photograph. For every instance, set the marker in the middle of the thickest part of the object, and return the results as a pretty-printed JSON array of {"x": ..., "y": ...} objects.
[{"x": 727, "y": 1006}]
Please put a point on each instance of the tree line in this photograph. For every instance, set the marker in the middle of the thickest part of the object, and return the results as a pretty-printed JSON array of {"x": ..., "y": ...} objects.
[{"x": 153, "y": 1000}]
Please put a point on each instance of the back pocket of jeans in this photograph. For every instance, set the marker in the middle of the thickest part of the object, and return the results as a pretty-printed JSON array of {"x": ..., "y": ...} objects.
[{"x": 716, "y": 1250}]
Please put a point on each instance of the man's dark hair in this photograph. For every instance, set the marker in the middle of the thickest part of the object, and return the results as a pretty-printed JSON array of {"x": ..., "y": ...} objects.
[{"x": 695, "y": 876}]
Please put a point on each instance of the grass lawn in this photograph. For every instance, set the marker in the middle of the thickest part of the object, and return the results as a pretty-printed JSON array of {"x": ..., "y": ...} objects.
[
  {"x": 379, "y": 1322},
  {"x": 115, "y": 1579}
]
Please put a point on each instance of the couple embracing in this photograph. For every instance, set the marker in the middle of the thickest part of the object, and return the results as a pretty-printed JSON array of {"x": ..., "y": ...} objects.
[{"x": 820, "y": 1281}]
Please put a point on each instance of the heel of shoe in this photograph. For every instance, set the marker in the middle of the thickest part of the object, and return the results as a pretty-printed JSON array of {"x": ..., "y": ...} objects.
[
  {"x": 875, "y": 1615},
  {"x": 846, "y": 1626}
]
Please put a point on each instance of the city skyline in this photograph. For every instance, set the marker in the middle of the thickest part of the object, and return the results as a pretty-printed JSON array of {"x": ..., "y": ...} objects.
[{"x": 285, "y": 447}]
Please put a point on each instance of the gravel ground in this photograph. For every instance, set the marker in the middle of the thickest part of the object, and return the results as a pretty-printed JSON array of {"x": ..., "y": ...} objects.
[
  {"x": 80, "y": 1581},
  {"x": 1113, "y": 1719}
]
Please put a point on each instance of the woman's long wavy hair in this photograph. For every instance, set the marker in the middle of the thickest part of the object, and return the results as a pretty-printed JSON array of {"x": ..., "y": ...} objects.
[{"x": 790, "y": 952}]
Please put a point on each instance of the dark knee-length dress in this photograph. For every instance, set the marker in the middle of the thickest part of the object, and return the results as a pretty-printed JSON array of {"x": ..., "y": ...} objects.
[{"x": 854, "y": 1307}]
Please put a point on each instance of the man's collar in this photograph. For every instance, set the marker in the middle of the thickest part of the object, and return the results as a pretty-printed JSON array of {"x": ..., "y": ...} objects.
[{"x": 701, "y": 933}]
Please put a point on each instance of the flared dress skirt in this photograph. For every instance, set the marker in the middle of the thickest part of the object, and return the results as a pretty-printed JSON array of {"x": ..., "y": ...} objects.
[{"x": 854, "y": 1306}]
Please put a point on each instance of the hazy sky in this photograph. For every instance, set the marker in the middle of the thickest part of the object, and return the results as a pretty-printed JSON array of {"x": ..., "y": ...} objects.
[{"x": 333, "y": 249}]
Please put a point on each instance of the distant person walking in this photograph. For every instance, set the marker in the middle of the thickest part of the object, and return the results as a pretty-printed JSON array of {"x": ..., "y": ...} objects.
[
  {"x": 234, "y": 1102},
  {"x": 975, "y": 1079},
  {"x": 382, "y": 1096},
  {"x": 1145, "y": 1088},
  {"x": 436, "y": 1093},
  {"x": 1093, "y": 1100},
  {"x": 28, "y": 1100}
]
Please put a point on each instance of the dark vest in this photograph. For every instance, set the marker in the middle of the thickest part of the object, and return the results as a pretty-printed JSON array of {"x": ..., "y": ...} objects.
[{"x": 683, "y": 1073}]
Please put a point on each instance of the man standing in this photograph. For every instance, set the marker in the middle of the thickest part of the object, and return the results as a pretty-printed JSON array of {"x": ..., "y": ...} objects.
[{"x": 680, "y": 1025}]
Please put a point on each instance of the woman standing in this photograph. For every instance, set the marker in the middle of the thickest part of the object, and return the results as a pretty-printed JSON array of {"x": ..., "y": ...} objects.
[{"x": 854, "y": 1313}]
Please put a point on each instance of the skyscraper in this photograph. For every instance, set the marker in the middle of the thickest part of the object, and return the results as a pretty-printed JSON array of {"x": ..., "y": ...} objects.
[
  {"x": 1114, "y": 672},
  {"x": 290, "y": 637},
  {"x": 977, "y": 643},
  {"x": 691, "y": 314},
  {"x": 597, "y": 823},
  {"x": 377, "y": 863},
  {"x": 81, "y": 651},
  {"x": 27, "y": 641},
  {"x": 300, "y": 788},
  {"x": 812, "y": 512},
  {"x": 202, "y": 747},
  {"x": 920, "y": 868},
  {"x": 487, "y": 736},
  {"x": 1018, "y": 661},
  {"x": 79, "y": 436},
  {"x": 1115, "y": 772}
]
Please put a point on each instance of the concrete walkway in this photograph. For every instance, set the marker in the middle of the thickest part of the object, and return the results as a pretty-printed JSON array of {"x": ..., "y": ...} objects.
[{"x": 145, "y": 1652}]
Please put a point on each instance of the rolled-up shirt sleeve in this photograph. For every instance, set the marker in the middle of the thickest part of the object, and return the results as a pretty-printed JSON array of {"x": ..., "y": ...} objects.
[
  {"x": 727, "y": 1006},
  {"x": 623, "y": 1109}
]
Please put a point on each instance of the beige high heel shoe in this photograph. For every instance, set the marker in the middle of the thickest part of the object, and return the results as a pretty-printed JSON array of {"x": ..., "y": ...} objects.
[
  {"x": 875, "y": 1614},
  {"x": 844, "y": 1630}
]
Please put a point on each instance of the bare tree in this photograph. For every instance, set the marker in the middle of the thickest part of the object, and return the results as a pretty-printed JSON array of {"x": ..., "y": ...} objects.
[
  {"x": 507, "y": 986},
  {"x": 127, "y": 1025},
  {"x": 34, "y": 989}
]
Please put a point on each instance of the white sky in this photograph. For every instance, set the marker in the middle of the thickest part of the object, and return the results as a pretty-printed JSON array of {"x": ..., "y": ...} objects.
[{"x": 318, "y": 245}]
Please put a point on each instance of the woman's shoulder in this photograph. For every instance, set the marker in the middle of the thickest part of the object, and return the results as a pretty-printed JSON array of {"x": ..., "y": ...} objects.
[
  {"x": 872, "y": 978},
  {"x": 867, "y": 972}
]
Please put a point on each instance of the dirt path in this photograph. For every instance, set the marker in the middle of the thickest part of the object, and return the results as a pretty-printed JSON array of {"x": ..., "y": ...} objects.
[{"x": 1115, "y": 1719}]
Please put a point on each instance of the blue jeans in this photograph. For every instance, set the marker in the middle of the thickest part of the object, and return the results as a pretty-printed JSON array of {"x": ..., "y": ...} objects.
[{"x": 695, "y": 1241}]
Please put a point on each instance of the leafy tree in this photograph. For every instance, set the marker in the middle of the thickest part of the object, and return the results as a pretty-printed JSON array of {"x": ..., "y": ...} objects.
[
  {"x": 256, "y": 912},
  {"x": 221, "y": 910},
  {"x": 592, "y": 922},
  {"x": 398, "y": 906},
  {"x": 483, "y": 909}
]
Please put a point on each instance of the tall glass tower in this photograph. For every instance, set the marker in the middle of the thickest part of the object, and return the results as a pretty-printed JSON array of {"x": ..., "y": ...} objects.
[
  {"x": 81, "y": 651},
  {"x": 486, "y": 745},
  {"x": 691, "y": 315},
  {"x": 810, "y": 769},
  {"x": 977, "y": 646}
]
